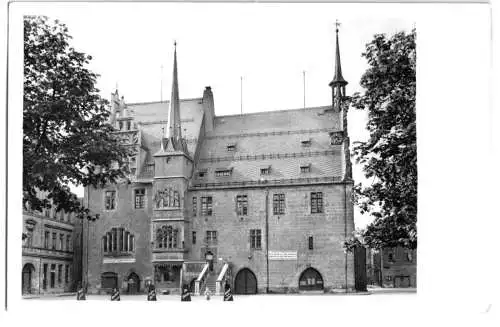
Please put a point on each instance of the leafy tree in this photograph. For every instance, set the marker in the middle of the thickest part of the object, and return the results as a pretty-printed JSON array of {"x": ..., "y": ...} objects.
[
  {"x": 389, "y": 157},
  {"x": 66, "y": 135}
]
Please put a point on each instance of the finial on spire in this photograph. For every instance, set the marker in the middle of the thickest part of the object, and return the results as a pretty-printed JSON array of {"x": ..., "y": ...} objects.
[{"x": 337, "y": 77}]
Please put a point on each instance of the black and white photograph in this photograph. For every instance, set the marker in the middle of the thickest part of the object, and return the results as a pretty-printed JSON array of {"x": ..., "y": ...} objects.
[{"x": 207, "y": 152}]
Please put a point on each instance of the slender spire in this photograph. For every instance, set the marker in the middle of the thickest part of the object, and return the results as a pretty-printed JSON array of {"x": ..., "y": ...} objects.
[
  {"x": 337, "y": 77},
  {"x": 174, "y": 128}
]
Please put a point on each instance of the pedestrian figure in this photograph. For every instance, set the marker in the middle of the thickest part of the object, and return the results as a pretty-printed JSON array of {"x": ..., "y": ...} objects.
[
  {"x": 115, "y": 295},
  {"x": 151, "y": 293},
  {"x": 185, "y": 296},
  {"x": 228, "y": 295},
  {"x": 80, "y": 293},
  {"x": 207, "y": 294}
]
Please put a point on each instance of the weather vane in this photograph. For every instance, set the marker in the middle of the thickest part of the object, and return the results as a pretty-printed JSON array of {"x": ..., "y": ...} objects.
[{"x": 337, "y": 24}]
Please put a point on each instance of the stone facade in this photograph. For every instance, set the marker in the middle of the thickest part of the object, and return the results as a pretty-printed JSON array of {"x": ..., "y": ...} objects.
[
  {"x": 397, "y": 269},
  {"x": 202, "y": 192},
  {"x": 51, "y": 253}
]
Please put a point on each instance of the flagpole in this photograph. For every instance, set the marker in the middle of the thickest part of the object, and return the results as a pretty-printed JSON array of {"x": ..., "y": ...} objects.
[{"x": 304, "y": 83}]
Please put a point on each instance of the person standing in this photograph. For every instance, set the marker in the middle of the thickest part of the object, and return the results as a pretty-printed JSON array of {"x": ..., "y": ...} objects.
[{"x": 207, "y": 293}]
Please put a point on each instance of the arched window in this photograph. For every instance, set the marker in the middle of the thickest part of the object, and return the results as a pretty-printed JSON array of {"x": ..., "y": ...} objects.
[
  {"x": 166, "y": 237},
  {"x": 118, "y": 241}
]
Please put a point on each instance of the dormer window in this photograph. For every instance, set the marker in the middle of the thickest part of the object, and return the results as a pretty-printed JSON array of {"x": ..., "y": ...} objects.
[
  {"x": 201, "y": 173},
  {"x": 305, "y": 143},
  {"x": 265, "y": 170},
  {"x": 231, "y": 147},
  {"x": 223, "y": 172},
  {"x": 305, "y": 168}
]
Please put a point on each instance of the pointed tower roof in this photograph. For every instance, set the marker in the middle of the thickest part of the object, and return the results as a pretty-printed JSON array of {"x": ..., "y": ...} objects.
[
  {"x": 174, "y": 130},
  {"x": 338, "y": 79},
  {"x": 173, "y": 142}
]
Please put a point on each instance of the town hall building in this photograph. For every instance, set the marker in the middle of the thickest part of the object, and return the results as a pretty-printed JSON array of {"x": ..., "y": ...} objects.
[{"x": 261, "y": 201}]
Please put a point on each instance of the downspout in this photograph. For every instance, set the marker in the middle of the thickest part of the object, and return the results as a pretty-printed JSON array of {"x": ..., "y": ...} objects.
[
  {"x": 345, "y": 230},
  {"x": 267, "y": 239}
]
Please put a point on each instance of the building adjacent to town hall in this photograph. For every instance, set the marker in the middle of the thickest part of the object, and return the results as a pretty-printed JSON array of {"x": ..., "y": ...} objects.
[
  {"x": 51, "y": 253},
  {"x": 261, "y": 201}
]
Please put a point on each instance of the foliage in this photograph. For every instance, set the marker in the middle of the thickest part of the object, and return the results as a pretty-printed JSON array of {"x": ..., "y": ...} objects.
[
  {"x": 66, "y": 136},
  {"x": 389, "y": 157}
]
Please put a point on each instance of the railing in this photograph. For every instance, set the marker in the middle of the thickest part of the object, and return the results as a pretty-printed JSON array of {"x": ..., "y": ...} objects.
[
  {"x": 302, "y": 131},
  {"x": 294, "y": 181},
  {"x": 201, "y": 280},
  {"x": 269, "y": 156},
  {"x": 221, "y": 280}
]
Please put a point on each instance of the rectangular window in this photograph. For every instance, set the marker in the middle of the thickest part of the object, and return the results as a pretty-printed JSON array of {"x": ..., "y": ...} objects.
[
  {"x": 45, "y": 268},
  {"x": 255, "y": 239},
  {"x": 59, "y": 274},
  {"x": 47, "y": 239},
  {"x": 115, "y": 238},
  {"x": 109, "y": 200},
  {"x": 54, "y": 241},
  {"x": 121, "y": 231},
  {"x": 231, "y": 147},
  {"x": 201, "y": 174},
  {"x": 68, "y": 247},
  {"x": 47, "y": 213},
  {"x": 279, "y": 204},
  {"x": 316, "y": 202},
  {"x": 265, "y": 170},
  {"x": 223, "y": 173},
  {"x": 61, "y": 242},
  {"x": 241, "y": 205},
  {"x": 140, "y": 196},
  {"x": 195, "y": 206},
  {"x": 211, "y": 237},
  {"x": 206, "y": 205},
  {"x": 52, "y": 275},
  {"x": 306, "y": 143},
  {"x": 311, "y": 243},
  {"x": 305, "y": 168},
  {"x": 194, "y": 238},
  {"x": 66, "y": 274}
]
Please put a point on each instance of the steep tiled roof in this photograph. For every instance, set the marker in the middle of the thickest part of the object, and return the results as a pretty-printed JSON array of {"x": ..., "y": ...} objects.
[
  {"x": 153, "y": 116},
  {"x": 280, "y": 120},
  {"x": 271, "y": 139}
]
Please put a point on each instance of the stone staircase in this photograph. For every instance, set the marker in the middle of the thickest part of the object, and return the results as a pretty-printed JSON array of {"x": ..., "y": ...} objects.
[{"x": 211, "y": 281}]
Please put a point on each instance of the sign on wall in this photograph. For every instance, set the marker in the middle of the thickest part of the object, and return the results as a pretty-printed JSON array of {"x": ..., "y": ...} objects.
[
  {"x": 118, "y": 260},
  {"x": 282, "y": 255}
]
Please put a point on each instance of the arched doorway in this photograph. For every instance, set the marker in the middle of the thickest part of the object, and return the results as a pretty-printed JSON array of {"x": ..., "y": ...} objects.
[
  {"x": 28, "y": 271},
  {"x": 310, "y": 280},
  {"x": 134, "y": 283},
  {"x": 109, "y": 280},
  {"x": 245, "y": 282}
]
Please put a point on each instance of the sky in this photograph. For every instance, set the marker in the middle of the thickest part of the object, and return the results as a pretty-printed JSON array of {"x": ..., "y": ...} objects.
[{"x": 269, "y": 46}]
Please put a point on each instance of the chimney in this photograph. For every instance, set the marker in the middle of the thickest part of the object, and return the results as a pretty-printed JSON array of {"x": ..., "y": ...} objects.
[
  {"x": 208, "y": 107},
  {"x": 114, "y": 107}
]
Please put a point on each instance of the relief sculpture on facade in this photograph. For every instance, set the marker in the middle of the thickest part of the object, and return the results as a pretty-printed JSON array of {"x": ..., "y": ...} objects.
[{"x": 167, "y": 198}]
